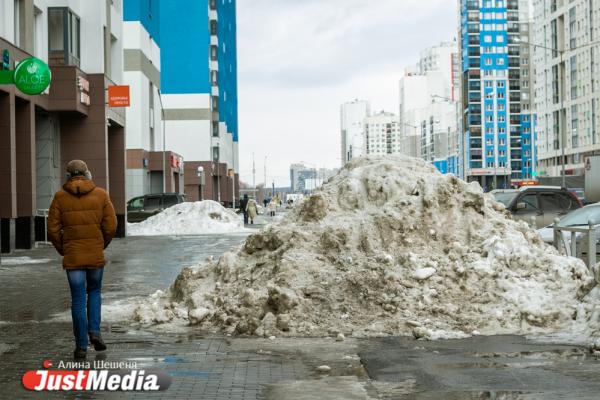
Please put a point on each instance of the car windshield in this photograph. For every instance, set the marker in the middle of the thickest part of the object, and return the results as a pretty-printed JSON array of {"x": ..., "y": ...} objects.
[
  {"x": 505, "y": 197},
  {"x": 581, "y": 216}
]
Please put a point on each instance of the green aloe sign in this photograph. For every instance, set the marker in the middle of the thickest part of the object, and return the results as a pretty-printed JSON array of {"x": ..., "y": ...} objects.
[{"x": 32, "y": 76}]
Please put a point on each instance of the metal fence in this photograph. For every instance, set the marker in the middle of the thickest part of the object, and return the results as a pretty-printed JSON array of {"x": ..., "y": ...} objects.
[{"x": 585, "y": 244}]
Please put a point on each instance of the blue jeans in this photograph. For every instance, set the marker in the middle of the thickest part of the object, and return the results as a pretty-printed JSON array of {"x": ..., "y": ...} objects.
[{"x": 85, "y": 322}]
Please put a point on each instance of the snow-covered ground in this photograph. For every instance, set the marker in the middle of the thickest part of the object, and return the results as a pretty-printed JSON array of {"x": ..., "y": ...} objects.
[
  {"x": 201, "y": 217},
  {"x": 389, "y": 246}
]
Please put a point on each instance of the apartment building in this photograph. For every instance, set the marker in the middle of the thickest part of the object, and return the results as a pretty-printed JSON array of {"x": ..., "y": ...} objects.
[
  {"x": 352, "y": 115},
  {"x": 300, "y": 175},
  {"x": 82, "y": 43},
  {"x": 382, "y": 134},
  {"x": 428, "y": 114},
  {"x": 567, "y": 96},
  {"x": 198, "y": 62},
  {"x": 498, "y": 122},
  {"x": 147, "y": 159}
]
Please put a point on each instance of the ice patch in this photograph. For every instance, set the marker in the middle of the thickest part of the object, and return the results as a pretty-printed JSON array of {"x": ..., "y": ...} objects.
[{"x": 23, "y": 260}]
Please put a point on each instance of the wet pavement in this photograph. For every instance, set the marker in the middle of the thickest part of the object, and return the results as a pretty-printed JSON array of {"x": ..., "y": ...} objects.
[
  {"x": 34, "y": 301},
  {"x": 495, "y": 367},
  {"x": 137, "y": 266}
]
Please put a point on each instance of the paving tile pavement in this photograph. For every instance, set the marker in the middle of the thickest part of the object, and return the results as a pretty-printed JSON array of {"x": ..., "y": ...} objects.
[{"x": 201, "y": 368}]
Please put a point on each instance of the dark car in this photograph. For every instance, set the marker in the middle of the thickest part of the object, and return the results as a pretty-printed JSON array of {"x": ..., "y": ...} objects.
[
  {"x": 580, "y": 193},
  {"x": 544, "y": 203},
  {"x": 142, "y": 207}
]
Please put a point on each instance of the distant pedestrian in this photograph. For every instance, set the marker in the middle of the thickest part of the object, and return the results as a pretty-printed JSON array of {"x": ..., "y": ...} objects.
[
  {"x": 252, "y": 210},
  {"x": 265, "y": 202},
  {"x": 272, "y": 208},
  {"x": 81, "y": 224},
  {"x": 243, "y": 204}
]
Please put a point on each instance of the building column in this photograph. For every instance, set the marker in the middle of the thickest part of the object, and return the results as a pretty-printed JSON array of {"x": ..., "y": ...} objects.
[
  {"x": 116, "y": 174},
  {"x": 8, "y": 181},
  {"x": 25, "y": 173}
]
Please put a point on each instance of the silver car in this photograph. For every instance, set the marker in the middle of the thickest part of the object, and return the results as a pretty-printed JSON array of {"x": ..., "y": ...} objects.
[
  {"x": 540, "y": 203},
  {"x": 578, "y": 218}
]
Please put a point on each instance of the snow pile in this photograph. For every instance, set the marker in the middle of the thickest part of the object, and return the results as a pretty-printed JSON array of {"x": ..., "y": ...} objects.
[
  {"x": 197, "y": 218},
  {"x": 388, "y": 246}
]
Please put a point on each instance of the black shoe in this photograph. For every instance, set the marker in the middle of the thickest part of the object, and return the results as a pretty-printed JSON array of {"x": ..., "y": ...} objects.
[
  {"x": 79, "y": 353},
  {"x": 97, "y": 341}
]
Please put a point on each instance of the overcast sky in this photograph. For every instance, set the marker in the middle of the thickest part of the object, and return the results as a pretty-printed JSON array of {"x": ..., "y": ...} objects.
[{"x": 299, "y": 60}]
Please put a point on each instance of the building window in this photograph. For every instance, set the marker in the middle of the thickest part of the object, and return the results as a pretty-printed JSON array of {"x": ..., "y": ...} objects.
[
  {"x": 56, "y": 30},
  {"x": 17, "y": 23},
  {"x": 213, "y": 27},
  {"x": 214, "y": 78},
  {"x": 63, "y": 36},
  {"x": 215, "y": 153},
  {"x": 214, "y": 51},
  {"x": 215, "y": 128}
]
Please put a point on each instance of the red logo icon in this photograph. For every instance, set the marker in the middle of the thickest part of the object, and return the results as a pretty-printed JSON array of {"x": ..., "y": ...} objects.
[{"x": 47, "y": 363}]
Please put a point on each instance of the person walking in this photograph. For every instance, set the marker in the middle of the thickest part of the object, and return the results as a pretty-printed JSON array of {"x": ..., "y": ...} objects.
[
  {"x": 272, "y": 208},
  {"x": 81, "y": 224},
  {"x": 243, "y": 204},
  {"x": 252, "y": 210}
]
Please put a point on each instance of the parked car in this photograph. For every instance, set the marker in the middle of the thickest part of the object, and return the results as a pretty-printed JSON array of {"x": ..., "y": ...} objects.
[
  {"x": 141, "y": 207},
  {"x": 580, "y": 193},
  {"x": 544, "y": 203},
  {"x": 578, "y": 218}
]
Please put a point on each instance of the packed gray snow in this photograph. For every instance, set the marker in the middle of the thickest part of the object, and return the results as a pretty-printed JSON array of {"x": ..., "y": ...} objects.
[
  {"x": 389, "y": 246},
  {"x": 196, "y": 218}
]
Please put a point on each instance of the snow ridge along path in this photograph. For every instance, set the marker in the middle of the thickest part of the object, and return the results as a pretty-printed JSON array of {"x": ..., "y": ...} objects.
[
  {"x": 389, "y": 246},
  {"x": 196, "y": 218}
]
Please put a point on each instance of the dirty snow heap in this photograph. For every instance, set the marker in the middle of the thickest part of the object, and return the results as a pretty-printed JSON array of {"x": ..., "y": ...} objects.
[
  {"x": 389, "y": 246},
  {"x": 189, "y": 219}
]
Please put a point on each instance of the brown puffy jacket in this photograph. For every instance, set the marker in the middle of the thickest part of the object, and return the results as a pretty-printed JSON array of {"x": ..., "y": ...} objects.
[{"x": 81, "y": 223}]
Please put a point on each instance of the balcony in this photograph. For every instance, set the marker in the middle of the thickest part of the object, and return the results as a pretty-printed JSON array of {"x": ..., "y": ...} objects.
[{"x": 63, "y": 37}]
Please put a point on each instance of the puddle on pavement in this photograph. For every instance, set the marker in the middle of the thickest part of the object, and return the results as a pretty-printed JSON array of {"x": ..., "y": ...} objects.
[
  {"x": 472, "y": 365},
  {"x": 571, "y": 354}
]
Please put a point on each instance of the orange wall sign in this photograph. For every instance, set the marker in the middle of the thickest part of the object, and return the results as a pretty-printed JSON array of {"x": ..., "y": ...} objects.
[{"x": 118, "y": 96}]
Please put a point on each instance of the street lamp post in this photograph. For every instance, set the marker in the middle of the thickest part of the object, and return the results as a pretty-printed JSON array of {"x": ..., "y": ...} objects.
[
  {"x": 218, "y": 173},
  {"x": 162, "y": 113},
  {"x": 254, "y": 176}
]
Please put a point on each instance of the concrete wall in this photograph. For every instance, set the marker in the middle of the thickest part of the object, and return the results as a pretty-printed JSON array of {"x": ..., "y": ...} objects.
[{"x": 137, "y": 183}]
